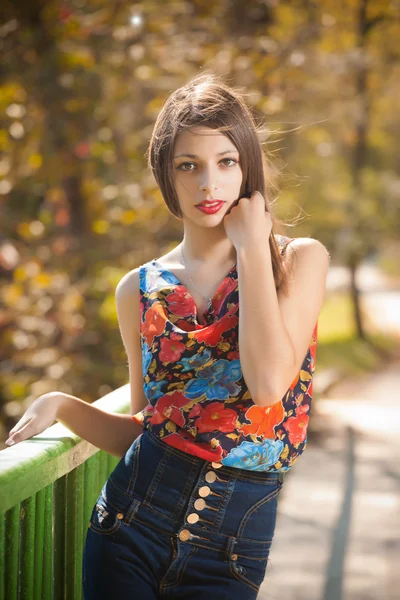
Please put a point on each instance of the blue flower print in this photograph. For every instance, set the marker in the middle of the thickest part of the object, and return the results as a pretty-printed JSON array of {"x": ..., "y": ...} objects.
[
  {"x": 153, "y": 391},
  {"x": 256, "y": 457},
  {"x": 216, "y": 381},
  {"x": 195, "y": 361}
]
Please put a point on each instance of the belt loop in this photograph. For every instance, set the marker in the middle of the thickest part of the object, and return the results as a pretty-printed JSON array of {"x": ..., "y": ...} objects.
[
  {"x": 229, "y": 546},
  {"x": 281, "y": 478}
]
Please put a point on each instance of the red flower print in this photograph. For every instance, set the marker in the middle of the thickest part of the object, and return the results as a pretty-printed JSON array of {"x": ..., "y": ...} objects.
[
  {"x": 226, "y": 287},
  {"x": 183, "y": 441},
  {"x": 171, "y": 349},
  {"x": 213, "y": 335},
  {"x": 295, "y": 382},
  {"x": 263, "y": 420},
  {"x": 170, "y": 406},
  {"x": 215, "y": 417},
  {"x": 195, "y": 411},
  {"x": 185, "y": 325},
  {"x": 313, "y": 343},
  {"x": 297, "y": 426},
  {"x": 180, "y": 302},
  {"x": 156, "y": 418},
  {"x": 154, "y": 322}
]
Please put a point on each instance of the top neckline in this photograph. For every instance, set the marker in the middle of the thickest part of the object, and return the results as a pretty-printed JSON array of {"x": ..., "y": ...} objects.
[{"x": 178, "y": 281}]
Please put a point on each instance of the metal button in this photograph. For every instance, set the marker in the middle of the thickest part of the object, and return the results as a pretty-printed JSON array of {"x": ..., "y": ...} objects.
[
  {"x": 120, "y": 516},
  {"x": 184, "y": 535},
  {"x": 234, "y": 557},
  {"x": 216, "y": 465},
  {"x": 193, "y": 518},
  {"x": 204, "y": 491},
  {"x": 199, "y": 504},
  {"x": 210, "y": 476}
]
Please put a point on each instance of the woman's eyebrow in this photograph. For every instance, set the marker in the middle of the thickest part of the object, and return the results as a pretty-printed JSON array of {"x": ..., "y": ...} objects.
[{"x": 218, "y": 154}]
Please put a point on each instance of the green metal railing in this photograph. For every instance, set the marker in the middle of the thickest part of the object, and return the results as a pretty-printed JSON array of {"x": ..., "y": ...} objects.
[{"x": 48, "y": 487}]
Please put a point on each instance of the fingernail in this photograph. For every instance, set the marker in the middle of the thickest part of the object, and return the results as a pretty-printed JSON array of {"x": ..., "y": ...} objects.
[{"x": 9, "y": 442}]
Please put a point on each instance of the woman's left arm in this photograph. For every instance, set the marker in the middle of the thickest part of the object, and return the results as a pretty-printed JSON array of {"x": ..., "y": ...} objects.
[{"x": 274, "y": 329}]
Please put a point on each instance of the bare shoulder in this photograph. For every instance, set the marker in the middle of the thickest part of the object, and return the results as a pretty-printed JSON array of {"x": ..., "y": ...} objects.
[
  {"x": 307, "y": 255},
  {"x": 129, "y": 283},
  {"x": 127, "y": 297},
  {"x": 308, "y": 251}
]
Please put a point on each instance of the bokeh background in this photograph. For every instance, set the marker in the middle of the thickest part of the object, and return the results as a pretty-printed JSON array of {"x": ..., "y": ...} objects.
[{"x": 81, "y": 84}]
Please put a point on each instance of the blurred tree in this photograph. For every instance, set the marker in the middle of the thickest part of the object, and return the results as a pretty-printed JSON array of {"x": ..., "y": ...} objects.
[{"x": 81, "y": 84}]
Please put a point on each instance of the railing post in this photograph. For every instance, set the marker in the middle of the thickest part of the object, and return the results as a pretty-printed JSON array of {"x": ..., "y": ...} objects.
[{"x": 48, "y": 487}]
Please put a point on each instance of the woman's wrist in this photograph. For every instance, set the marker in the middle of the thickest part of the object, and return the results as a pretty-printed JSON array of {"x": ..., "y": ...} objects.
[{"x": 63, "y": 403}]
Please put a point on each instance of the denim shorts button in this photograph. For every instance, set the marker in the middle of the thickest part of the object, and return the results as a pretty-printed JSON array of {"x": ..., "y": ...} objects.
[
  {"x": 216, "y": 465},
  {"x": 120, "y": 516},
  {"x": 210, "y": 477},
  {"x": 184, "y": 535},
  {"x": 204, "y": 491},
  {"x": 234, "y": 557},
  {"x": 199, "y": 504},
  {"x": 193, "y": 518}
]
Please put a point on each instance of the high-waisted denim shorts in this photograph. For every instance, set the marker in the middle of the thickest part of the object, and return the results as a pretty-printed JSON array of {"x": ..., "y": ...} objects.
[{"x": 171, "y": 525}]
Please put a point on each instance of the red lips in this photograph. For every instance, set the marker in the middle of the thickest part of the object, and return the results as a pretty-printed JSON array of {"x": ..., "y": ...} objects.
[{"x": 206, "y": 202}]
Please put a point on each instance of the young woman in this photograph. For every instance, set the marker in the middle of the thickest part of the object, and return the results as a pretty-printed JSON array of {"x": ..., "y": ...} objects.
[{"x": 220, "y": 402}]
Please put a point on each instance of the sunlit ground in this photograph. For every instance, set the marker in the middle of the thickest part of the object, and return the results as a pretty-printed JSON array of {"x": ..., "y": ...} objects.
[{"x": 338, "y": 528}]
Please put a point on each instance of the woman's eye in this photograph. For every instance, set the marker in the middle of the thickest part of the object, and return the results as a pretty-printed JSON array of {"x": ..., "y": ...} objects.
[{"x": 190, "y": 163}]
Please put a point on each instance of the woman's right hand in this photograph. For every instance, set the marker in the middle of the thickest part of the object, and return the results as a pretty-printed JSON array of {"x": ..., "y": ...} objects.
[{"x": 39, "y": 416}]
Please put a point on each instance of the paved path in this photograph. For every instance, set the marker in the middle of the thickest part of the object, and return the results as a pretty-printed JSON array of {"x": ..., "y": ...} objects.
[{"x": 338, "y": 528}]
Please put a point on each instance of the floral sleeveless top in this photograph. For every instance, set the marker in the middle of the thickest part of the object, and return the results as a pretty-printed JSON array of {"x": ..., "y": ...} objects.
[{"x": 198, "y": 398}]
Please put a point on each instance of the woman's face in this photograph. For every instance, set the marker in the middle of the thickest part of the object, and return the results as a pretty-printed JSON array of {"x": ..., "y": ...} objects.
[{"x": 213, "y": 172}]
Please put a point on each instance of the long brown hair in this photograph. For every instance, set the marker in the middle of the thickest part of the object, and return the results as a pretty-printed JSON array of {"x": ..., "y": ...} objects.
[{"x": 205, "y": 100}]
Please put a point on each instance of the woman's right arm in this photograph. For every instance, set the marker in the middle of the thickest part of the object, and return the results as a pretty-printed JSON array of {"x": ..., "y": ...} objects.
[{"x": 111, "y": 432}]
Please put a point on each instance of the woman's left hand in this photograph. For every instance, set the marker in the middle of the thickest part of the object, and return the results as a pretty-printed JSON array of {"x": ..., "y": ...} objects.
[{"x": 248, "y": 222}]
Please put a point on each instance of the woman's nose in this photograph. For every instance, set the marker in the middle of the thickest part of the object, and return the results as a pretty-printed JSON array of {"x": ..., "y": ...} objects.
[{"x": 208, "y": 186}]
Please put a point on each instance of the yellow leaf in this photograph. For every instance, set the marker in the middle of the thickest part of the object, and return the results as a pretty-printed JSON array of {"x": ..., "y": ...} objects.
[
  {"x": 24, "y": 230},
  {"x": 35, "y": 161},
  {"x": 285, "y": 452},
  {"x": 214, "y": 443},
  {"x": 128, "y": 217},
  {"x": 170, "y": 426},
  {"x": 100, "y": 226},
  {"x": 305, "y": 375},
  {"x": 12, "y": 293},
  {"x": 43, "y": 280},
  {"x": 17, "y": 389},
  {"x": 20, "y": 274},
  {"x": 224, "y": 346}
]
